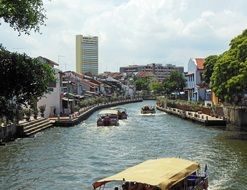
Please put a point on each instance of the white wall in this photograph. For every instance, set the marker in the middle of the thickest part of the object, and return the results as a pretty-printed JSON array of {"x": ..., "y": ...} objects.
[
  {"x": 192, "y": 68},
  {"x": 52, "y": 99}
]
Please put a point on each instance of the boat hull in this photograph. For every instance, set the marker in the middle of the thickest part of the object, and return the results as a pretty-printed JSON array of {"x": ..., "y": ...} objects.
[
  {"x": 148, "y": 110},
  {"x": 122, "y": 115},
  {"x": 107, "y": 122}
]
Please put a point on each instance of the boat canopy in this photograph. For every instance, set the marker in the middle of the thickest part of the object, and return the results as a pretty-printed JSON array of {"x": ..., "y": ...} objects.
[
  {"x": 109, "y": 112},
  {"x": 163, "y": 173}
]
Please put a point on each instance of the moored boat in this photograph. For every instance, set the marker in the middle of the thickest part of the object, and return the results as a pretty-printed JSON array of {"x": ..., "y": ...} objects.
[
  {"x": 158, "y": 174},
  {"x": 108, "y": 118},
  {"x": 147, "y": 109}
]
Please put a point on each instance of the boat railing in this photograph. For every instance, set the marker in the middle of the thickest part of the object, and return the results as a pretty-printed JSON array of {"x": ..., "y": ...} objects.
[{"x": 196, "y": 181}]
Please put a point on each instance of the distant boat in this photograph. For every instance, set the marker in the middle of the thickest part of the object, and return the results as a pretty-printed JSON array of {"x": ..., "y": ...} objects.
[
  {"x": 108, "y": 117},
  {"x": 147, "y": 109},
  {"x": 158, "y": 174},
  {"x": 122, "y": 113}
]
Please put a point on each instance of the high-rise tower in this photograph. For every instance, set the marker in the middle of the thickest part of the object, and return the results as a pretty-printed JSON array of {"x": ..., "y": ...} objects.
[{"x": 87, "y": 54}]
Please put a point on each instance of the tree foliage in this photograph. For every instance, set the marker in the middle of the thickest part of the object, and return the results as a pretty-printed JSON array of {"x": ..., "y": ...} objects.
[
  {"x": 22, "y": 78},
  {"x": 210, "y": 61},
  {"x": 229, "y": 76},
  {"x": 23, "y": 15},
  {"x": 142, "y": 83},
  {"x": 175, "y": 83},
  {"x": 156, "y": 87}
]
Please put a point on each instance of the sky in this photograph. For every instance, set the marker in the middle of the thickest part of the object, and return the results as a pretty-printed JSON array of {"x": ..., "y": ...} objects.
[{"x": 131, "y": 32}]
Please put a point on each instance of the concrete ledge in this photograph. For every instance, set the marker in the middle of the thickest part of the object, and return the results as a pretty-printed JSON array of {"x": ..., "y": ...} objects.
[
  {"x": 204, "y": 119},
  {"x": 149, "y": 98},
  {"x": 75, "y": 119},
  {"x": 9, "y": 133}
]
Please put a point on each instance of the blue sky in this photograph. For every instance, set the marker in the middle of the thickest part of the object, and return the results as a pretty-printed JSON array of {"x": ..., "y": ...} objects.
[{"x": 133, "y": 31}]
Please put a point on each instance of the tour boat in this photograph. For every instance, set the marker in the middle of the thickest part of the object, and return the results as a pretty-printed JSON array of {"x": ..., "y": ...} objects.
[
  {"x": 158, "y": 174},
  {"x": 108, "y": 118},
  {"x": 147, "y": 109},
  {"x": 122, "y": 113}
]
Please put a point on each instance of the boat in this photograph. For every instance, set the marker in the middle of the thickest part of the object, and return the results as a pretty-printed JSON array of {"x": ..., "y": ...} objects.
[
  {"x": 158, "y": 174},
  {"x": 108, "y": 117},
  {"x": 122, "y": 113},
  {"x": 147, "y": 109}
]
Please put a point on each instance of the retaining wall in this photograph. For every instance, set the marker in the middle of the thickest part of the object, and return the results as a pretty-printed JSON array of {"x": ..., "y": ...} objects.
[
  {"x": 8, "y": 133},
  {"x": 236, "y": 117},
  {"x": 71, "y": 121},
  {"x": 194, "y": 116}
]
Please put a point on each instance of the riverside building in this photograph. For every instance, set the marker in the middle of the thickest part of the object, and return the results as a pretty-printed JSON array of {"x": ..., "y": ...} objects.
[
  {"x": 87, "y": 54},
  {"x": 160, "y": 71}
]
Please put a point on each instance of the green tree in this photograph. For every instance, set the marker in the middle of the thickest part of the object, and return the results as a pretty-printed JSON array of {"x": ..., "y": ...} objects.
[
  {"x": 142, "y": 83},
  {"x": 167, "y": 86},
  {"x": 22, "y": 78},
  {"x": 156, "y": 87},
  {"x": 175, "y": 83},
  {"x": 23, "y": 15},
  {"x": 209, "y": 64},
  {"x": 229, "y": 77}
]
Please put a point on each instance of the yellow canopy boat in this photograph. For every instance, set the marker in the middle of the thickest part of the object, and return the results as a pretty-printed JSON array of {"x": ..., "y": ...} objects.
[{"x": 163, "y": 173}]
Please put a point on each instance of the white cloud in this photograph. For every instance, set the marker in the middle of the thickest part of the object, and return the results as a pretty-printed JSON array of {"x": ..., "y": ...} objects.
[{"x": 134, "y": 31}]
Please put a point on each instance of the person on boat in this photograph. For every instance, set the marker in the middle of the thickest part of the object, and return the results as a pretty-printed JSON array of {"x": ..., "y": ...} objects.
[
  {"x": 130, "y": 186},
  {"x": 137, "y": 186},
  {"x": 119, "y": 114},
  {"x": 125, "y": 186},
  {"x": 133, "y": 186}
]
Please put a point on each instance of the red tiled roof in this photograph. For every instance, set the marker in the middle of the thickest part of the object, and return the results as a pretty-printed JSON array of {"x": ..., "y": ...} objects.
[
  {"x": 95, "y": 81},
  {"x": 91, "y": 83},
  {"x": 200, "y": 63}
]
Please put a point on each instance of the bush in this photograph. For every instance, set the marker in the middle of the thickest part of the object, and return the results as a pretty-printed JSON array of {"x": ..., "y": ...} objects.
[
  {"x": 35, "y": 113},
  {"x": 28, "y": 113},
  {"x": 42, "y": 110}
]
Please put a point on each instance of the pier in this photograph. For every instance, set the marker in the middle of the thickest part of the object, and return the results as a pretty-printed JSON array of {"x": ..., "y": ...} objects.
[{"x": 198, "y": 117}]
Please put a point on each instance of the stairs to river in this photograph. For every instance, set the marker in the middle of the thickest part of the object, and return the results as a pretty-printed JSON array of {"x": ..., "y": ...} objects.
[{"x": 35, "y": 126}]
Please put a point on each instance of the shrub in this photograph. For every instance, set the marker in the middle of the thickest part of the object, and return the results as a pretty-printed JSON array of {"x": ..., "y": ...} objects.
[{"x": 42, "y": 110}]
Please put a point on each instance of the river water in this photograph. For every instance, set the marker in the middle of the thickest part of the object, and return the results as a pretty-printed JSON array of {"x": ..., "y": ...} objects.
[{"x": 72, "y": 158}]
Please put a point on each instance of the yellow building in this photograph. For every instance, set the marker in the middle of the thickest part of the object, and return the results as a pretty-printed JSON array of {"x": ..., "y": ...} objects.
[
  {"x": 215, "y": 99},
  {"x": 87, "y": 54}
]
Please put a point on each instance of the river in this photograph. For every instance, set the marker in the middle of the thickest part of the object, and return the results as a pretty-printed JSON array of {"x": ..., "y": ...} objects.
[{"x": 73, "y": 157}]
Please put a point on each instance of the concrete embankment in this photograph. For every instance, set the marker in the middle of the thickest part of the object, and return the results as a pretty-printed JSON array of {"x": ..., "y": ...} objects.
[
  {"x": 11, "y": 132},
  {"x": 83, "y": 114},
  {"x": 149, "y": 97},
  {"x": 204, "y": 119},
  {"x": 236, "y": 118},
  {"x": 8, "y": 133}
]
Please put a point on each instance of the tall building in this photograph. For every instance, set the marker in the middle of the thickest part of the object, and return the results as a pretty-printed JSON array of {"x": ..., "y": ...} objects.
[{"x": 87, "y": 54}]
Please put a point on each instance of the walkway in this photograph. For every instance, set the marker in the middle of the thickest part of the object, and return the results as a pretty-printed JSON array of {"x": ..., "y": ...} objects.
[{"x": 195, "y": 116}]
